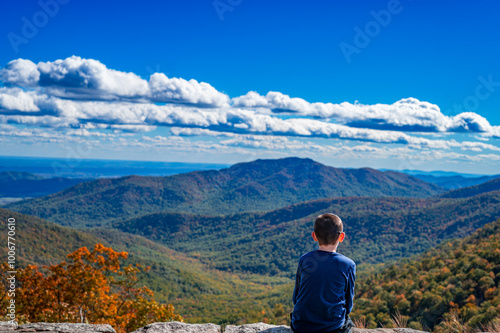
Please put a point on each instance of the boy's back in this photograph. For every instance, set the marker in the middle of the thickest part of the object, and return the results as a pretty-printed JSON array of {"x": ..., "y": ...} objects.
[{"x": 324, "y": 286}]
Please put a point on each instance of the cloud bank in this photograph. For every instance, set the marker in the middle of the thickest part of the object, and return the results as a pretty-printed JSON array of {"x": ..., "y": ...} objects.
[
  {"x": 408, "y": 114},
  {"x": 76, "y": 94}
]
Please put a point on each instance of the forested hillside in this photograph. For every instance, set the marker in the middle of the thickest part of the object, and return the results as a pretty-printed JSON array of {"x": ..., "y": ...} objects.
[
  {"x": 173, "y": 273},
  {"x": 173, "y": 277},
  {"x": 261, "y": 185},
  {"x": 378, "y": 230},
  {"x": 458, "y": 281},
  {"x": 460, "y": 275}
]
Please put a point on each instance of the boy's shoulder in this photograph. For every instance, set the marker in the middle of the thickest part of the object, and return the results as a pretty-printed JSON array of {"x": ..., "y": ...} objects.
[
  {"x": 335, "y": 256},
  {"x": 347, "y": 260}
]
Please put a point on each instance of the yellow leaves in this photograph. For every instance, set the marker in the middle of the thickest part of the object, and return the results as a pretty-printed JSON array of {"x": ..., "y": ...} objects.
[
  {"x": 471, "y": 301},
  {"x": 400, "y": 298},
  {"x": 490, "y": 293}
]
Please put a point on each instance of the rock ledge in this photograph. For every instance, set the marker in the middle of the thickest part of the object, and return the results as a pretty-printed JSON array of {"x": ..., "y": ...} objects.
[
  {"x": 57, "y": 328},
  {"x": 172, "y": 327}
]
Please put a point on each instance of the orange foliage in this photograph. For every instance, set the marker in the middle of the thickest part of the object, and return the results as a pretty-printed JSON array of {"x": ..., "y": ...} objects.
[{"x": 90, "y": 287}]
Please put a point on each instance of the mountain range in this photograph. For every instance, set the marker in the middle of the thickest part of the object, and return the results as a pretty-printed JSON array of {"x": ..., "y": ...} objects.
[
  {"x": 227, "y": 219},
  {"x": 261, "y": 185},
  {"x": 223, "y": 245},
  {"x": 456, "y": 181}
]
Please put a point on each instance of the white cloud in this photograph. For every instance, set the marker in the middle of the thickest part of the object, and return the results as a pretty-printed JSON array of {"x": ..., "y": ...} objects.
[
  {"x": 20, "y": 72},
  {"x": 41, "y": 121},
  {"x": 76, "y": 76},
  {"x": 79, "y": 78},
  {"x": 408, "y": 114},
  {"x": 251, "y": 100},
  {"x": 187, "y": 131},
  {"x": 16, "y": 99},
  {"x": 132, "y": 128},
  {"x": 164, "y": 89}
]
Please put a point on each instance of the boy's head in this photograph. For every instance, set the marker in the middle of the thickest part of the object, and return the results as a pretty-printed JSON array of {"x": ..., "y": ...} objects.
[{"x": 328, "y": 229}]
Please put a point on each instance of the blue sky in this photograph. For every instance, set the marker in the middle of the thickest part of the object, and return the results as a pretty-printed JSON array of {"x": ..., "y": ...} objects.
[{"x": 407, "y": 69}]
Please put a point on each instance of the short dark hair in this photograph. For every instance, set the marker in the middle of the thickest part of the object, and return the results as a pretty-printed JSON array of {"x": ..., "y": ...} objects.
[{"x": 328, "y": 228}]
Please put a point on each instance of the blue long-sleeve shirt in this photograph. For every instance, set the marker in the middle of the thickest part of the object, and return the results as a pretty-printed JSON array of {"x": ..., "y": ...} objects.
[{"x": 324, "y": 291}]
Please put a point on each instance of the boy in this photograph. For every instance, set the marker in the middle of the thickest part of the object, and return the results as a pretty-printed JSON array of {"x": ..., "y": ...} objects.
[{"x": 324, "y": 286}]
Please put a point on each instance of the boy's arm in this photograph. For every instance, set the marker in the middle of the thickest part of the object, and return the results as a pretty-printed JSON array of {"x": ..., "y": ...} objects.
[
  {"x": 351, "y": 279},
  {"x": 297, "y": 283}
]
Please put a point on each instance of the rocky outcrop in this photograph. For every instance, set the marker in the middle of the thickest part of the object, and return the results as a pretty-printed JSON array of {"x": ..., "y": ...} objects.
[
  {"x": 385, "y": 330},
  {"x": 7, "y": 326},
  {"x": 257, "y": 327},
  {"x": 265, "y": 328},
  {"x": 58, "y": 328},
  {"x": 173, "y": 327},
  {"x": 178, "y": 327}
]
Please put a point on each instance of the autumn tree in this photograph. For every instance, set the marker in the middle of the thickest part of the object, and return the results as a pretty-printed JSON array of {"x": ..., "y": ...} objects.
[{"x": 89, "y": 287}]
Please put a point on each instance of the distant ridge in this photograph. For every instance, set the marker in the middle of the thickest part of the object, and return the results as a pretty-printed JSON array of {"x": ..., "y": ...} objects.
[
  {"x": 49, "y": 167},
  {"x": 467, "y": 192},
  {"x": 455, "y": 182},
  {"x": 8, "y": 176},
  {"x": 20, "y": 184},
  {"x": 254, "y": 186}
]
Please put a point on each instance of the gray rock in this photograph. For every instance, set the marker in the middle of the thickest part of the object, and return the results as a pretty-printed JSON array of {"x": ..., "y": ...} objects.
[
  {"x": 408, "y": 330},
  {"x": 7, "y": 326},
  {"x": 66, "y": 328},
  {"x": 257, "y": 327},
  {"x": 171, "y": 327},
  {"x": 386, "y": 330},
  {"x": 178, "y": 327},
  {"x": 261, "y": 327}
]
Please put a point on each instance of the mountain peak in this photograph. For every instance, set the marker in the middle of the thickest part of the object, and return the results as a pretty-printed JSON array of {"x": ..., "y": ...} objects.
[
  {"x": 286, "y": 161},
  {"x": 260, "y": 185}
]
